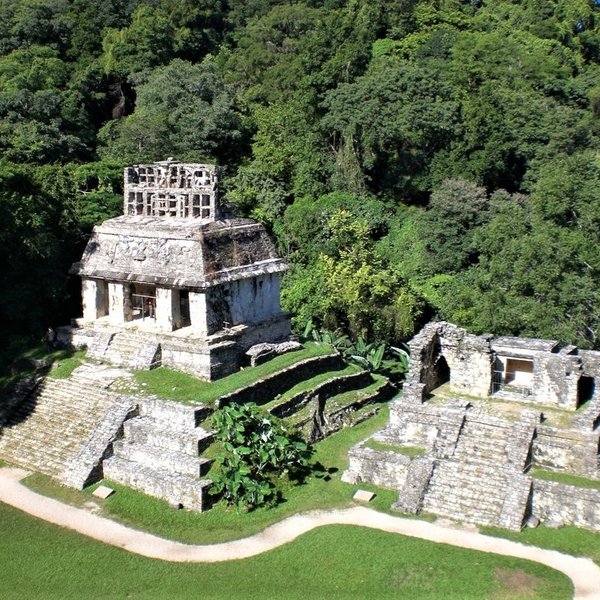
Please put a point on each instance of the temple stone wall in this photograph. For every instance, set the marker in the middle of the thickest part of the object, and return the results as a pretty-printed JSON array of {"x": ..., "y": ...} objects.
[
  {"x": 567, "y": 450},
  {"x": 94, "y": 299},
  {"x": 555, "y": 378},
  {"x": 386, "y": 469},
  {"x": 167, "y": 309},
  {"x": 198, "y": 313},
  {"x": 119, "y": 301},
  {"x": 558, "y": 504}
]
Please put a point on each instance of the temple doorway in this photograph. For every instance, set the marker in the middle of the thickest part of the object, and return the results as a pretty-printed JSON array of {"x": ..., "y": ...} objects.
[
  {"x": 441, "y": 373},
  {"x": 143, "y": 302},
  {"x": 585, "y": 389},
  {"x": 184, "y": 308}
]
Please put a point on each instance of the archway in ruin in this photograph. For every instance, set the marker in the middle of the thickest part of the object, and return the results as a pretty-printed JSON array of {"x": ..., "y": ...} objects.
[
  {"x": 440, "y": 373},
  {"x": 585, "y": 389}
]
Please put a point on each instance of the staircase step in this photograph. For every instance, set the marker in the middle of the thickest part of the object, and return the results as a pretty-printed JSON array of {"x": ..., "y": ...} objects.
[
  {"x": 49, "y": 428},
  {"x": 174, "y": 488},
  {"x": 159, "y": 458},
  {"x": 183, "y": 415},
  {"x": 148, "y": 431}
]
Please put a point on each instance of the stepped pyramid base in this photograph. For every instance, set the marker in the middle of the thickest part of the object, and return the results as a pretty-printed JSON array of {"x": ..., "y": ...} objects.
[
  {"x": 179, "y": 490},
  {"x": 471, "y": 469},
  {"x": 159, "y": 453}
]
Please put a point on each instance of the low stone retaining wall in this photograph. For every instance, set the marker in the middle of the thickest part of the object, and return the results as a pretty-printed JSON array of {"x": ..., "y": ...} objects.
[
  {"x": 567, "y": 450},
  {"x": 384, "y": 468},
  {"x": 560, "y": 504},
  {"x": 331, "y": 387},
  {"x": 264, "y": 390}
]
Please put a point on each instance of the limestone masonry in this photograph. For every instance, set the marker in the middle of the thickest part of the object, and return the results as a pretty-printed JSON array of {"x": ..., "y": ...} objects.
[
  {"x": 478, "y": 413},
  {"x": 175, "y": 282}
]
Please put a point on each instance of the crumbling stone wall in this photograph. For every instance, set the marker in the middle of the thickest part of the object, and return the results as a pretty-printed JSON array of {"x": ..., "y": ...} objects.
[
  {"x": 468, "y": 358},
  {"x": 567, "y": 450},
  {"x": 558, "y": 504},
  {"x": 384, "y": 468},
  {"x": 555, "y": 378}
]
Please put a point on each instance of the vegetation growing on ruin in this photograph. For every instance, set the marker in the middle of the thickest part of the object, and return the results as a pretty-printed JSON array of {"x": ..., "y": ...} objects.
[
  {"x": 259, "y": 456},
  {"x": 412, "y": 159},
  {"x": 174, "y": 385},
  {"x": 566, "y": 478}
]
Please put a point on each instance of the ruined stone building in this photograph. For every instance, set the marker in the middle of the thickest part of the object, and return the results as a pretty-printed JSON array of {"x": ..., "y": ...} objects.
[
  {"x": 173, "y": 282},
  {"x": 477, "y": 416}
]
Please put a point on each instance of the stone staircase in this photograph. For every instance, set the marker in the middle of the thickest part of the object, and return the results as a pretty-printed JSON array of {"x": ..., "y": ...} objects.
[
  {"x": 128, "y": 349},
  {"x": 50, "y": 427},
  {"x": 159, "y": 453},
  {"x": 482, "y": 481}
]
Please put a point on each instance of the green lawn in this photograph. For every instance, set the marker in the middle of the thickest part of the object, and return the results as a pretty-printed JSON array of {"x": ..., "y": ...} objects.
[
  {"x": 570, "y": 540},
  {"x": 42, "y": 561},
  {"x": 174, "y": 385},
  {"x": 64, "y": 362},
  {"x": 63, "y": 367}
]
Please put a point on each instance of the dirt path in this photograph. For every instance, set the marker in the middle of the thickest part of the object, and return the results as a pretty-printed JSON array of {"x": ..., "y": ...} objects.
[{"x": 584, "y": 574}]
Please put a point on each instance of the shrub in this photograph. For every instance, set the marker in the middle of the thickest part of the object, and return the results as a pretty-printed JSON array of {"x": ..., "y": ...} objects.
[{"x": 258, "y": 451}]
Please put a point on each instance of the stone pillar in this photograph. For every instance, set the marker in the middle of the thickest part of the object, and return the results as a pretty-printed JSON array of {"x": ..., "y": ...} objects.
[
  {"x": 167, "y": 308},
  {"x": 95, "y": 302},
  {"x": 119, "y": 298},
  {"x": 199, "y": 313},
  {"x": 176, "y": 309}
]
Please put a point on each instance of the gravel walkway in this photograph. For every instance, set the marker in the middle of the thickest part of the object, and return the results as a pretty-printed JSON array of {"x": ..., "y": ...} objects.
[{"x": 584, "y": 574}]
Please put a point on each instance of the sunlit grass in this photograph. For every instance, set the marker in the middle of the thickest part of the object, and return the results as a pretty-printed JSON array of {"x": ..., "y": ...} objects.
[
  {"x": 566, "y": 478},
  {"x": 173, "y": 385},
  {"x": 42, "y": 561}
]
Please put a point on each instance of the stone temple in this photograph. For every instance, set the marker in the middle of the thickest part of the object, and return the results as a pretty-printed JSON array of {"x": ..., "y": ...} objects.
[
  {"x": 488, "y": 430},
  {"x": 174, "y": 282}
]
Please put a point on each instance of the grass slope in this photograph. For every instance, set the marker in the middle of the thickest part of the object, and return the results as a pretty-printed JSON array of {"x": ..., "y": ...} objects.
[
  {"x": 39, "y": 560},
  {"x": 63, "y": 362},
  {"x": 566, "y": 478},
  {"x": 173, "y": 385}
]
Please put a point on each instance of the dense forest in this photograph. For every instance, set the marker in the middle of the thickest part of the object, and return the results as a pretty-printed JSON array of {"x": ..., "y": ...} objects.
[{"x": 413, "y": 159}]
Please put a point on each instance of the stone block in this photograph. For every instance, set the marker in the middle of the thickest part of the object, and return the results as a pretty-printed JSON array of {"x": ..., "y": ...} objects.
[
  {"x": 103, "y": 492},
  {"x": 363, "y": 496}
]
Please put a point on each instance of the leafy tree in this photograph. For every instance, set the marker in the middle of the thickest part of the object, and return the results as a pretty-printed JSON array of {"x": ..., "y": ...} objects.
[
  {"x": 305, "y": 224},
  {"x": 455, "y": 210},
  {"x": 42, "y": 119},
  {"x": 259, "y": 451},
  {"x": 354, "y": 289},
  {"x": 411, "y": 111},
  {"x": 182, "y": 110},
  {"x": 286, "y": 162},
  {"x": 147, "y": 42}
]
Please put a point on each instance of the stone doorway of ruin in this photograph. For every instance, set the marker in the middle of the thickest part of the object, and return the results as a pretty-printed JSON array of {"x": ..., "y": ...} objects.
[
  {"x": 585, "y": 389},
  {"x": 441, "y": 372},
  {"x": 143, "y": 302}
]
